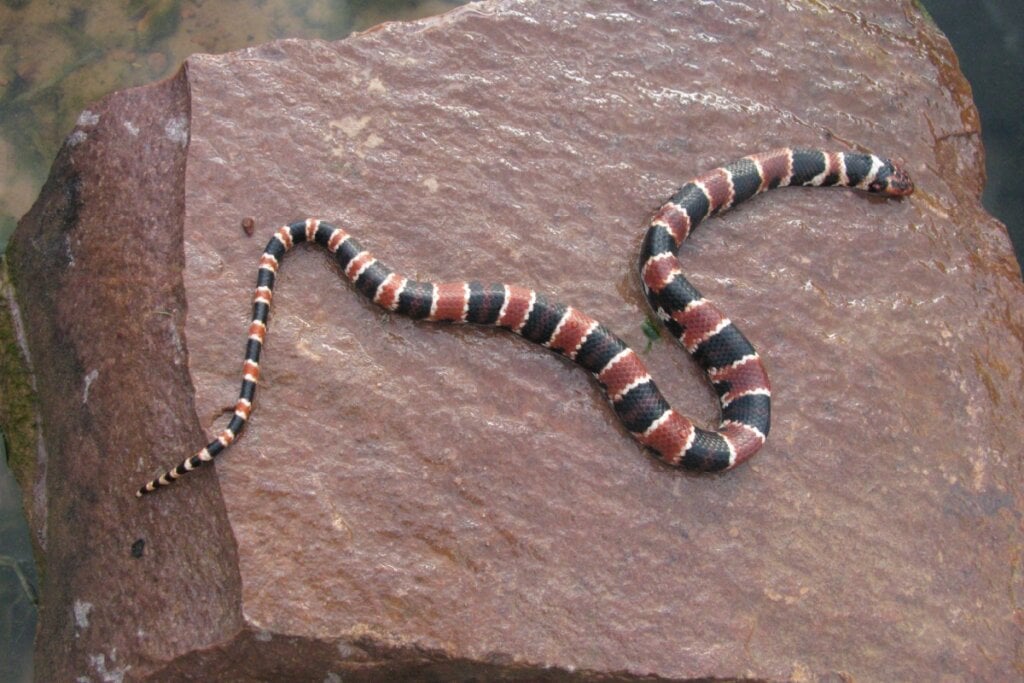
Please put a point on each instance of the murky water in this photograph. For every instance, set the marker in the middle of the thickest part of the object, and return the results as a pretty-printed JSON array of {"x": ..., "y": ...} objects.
[
  {"x": 18, "y": 582},
  {"x": 57, "y": 56},
  {"x": 988, "y": 36}
]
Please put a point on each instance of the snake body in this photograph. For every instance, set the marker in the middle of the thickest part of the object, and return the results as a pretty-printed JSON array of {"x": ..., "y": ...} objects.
[{"x": 729, "y": 360}]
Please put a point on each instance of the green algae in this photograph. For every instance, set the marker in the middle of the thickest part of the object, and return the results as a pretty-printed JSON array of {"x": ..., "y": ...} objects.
[{"x": 18, "y": 401}]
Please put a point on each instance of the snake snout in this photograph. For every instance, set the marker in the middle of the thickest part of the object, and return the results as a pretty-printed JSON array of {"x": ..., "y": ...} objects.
[{"x": 893, "y": 181}]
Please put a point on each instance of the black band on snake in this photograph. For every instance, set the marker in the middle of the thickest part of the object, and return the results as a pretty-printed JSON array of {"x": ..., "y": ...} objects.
[{"x": 731, "y": 363}]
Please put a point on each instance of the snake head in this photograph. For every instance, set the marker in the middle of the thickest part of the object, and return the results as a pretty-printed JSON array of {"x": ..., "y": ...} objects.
[{"x": 892, "y": 181}]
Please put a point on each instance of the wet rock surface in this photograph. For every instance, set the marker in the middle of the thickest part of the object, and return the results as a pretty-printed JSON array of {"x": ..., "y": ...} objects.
[{"x": 427, "y": 501}]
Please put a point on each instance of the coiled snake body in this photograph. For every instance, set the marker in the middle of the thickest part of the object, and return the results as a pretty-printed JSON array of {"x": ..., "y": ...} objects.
[{"x": 730, "y": 362}]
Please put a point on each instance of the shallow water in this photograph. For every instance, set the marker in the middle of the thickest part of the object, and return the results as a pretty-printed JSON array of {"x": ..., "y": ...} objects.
[{"x": 57, "y": 56}]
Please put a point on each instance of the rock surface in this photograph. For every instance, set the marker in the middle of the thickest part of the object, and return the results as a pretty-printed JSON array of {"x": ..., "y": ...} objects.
[{"x": 431, "y": 502}]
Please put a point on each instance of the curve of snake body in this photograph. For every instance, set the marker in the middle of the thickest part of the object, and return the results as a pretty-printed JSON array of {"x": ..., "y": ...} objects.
[{"x": 729, "y": 360}]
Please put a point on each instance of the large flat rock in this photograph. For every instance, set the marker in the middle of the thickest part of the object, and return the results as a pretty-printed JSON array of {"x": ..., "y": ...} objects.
[{"x": 421, "y": 501}]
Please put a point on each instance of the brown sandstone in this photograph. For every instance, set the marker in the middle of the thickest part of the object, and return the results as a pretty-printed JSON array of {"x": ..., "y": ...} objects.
[{"x": 435, "y": 503}]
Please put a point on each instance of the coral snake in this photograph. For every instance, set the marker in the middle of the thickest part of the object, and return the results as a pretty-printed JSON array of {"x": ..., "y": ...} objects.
[{"x": 730, "y": 362}]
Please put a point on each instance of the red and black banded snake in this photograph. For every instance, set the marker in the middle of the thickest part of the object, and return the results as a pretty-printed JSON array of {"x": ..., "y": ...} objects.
[{"x": 729, "y": 360}]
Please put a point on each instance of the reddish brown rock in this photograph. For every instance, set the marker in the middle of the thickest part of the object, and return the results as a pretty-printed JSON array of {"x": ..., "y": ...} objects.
[{"x": 441, "y": 503}]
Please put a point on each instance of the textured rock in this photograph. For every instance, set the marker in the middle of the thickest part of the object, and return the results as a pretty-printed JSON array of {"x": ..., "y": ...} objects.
[{"x": 416, "y": 500}]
